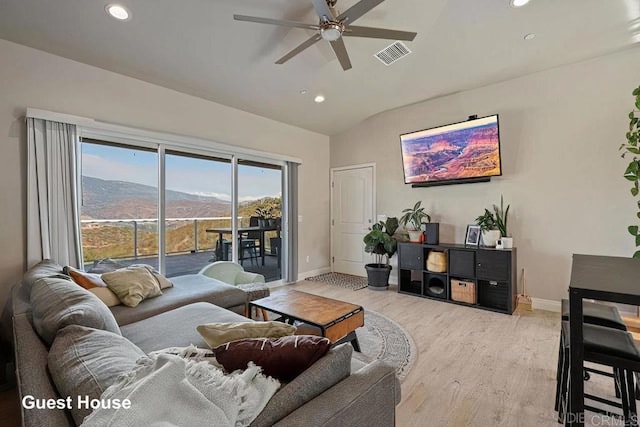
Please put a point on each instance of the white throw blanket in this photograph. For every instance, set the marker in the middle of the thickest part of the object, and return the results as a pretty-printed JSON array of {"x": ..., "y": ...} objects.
[{"x": 166, "y": 390}]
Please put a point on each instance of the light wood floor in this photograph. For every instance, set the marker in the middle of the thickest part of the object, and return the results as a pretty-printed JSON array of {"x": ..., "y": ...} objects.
[{"x": 474, "y": 368}]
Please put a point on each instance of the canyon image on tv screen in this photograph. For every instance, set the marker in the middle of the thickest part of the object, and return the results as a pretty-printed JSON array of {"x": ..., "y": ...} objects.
[{"x": 458, "y": 151}]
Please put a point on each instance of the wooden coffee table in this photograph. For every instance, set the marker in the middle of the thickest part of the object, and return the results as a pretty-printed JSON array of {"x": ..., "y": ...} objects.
[{"x": 337, "y": 320}]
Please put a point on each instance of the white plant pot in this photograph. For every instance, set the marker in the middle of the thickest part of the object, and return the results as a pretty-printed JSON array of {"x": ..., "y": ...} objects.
[
  {"x": 414, "y": 235},
  {"x": 490, "y": 237},
  {"x": 507, "y": 242}
]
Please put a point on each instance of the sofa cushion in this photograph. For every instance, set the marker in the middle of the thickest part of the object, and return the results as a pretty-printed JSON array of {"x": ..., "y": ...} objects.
[
  {"x": 132, "y": 284},
  {"x": 281, "y": 358},
  {"x": 219, "y": 333},
  {"x": 176, "y": 328},
  {"x": 186, "y": 290},
  {"x": 45, "y": 268},
  {"x": 57, "y": 303},
  {"x": 85, "y": 361},
  {"x": 326, "y": 372}
]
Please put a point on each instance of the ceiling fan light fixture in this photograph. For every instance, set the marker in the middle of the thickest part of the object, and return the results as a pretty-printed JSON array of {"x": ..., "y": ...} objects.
[
  {"x": 331, "y": 31},
  {"x": 518, "y": 3}
]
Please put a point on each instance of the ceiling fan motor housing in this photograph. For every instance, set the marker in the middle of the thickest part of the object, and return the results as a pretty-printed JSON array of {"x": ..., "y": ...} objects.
[{"x": 331, "y": 30}]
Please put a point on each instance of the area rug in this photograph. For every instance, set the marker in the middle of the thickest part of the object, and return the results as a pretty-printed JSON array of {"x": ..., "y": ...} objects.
[
  {"x": 384, "y": 339},
  {"x": 342, "y": 280}
]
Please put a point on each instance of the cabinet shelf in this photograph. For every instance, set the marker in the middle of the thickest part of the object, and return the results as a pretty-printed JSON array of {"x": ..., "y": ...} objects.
[{"x": 492, "y": 271}]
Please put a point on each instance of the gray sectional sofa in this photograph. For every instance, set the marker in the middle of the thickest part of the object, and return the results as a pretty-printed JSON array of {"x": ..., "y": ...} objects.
[{"x": 336, "y": 391}]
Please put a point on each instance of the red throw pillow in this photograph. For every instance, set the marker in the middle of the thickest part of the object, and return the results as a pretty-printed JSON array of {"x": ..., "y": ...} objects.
[{"x": 281, "y": 358}]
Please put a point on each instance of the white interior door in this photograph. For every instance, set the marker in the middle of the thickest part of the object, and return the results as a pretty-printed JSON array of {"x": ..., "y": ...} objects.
[{"x": 352, "y": 213}]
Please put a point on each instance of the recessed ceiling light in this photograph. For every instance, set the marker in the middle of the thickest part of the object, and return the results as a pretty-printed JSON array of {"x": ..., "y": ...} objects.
[
  {"x": 118, "y": 12},
  {"x": 319, "y": 98},
  {"x": 518, "y": 3},
  {"x": 303, "y": 92},
  {"x": 530, "y": 36}
]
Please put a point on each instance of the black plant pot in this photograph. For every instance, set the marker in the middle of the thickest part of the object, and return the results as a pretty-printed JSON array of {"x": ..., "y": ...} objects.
[{"x": 378, "y": 276}]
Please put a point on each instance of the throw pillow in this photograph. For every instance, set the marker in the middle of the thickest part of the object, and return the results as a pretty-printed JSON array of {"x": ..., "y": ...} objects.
[
  {"x": 281, "y": 358},
  {"x": 215, "y": 334},
  {"x": 106, "y": 295},
  {"x": 86, "y": 280},
  {"x": 57, "y": 303},
  {"x": 162, "y": 281},
  {"x": 85, "y": 361},
  {"x": 132, "y": 285}
]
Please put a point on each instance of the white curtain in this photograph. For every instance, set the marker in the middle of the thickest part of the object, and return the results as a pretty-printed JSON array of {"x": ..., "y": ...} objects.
[{"x": 53, "y": 226}]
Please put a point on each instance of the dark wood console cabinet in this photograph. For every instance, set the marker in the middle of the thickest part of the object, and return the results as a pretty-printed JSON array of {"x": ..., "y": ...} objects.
[{"x": 492, "y": 271}]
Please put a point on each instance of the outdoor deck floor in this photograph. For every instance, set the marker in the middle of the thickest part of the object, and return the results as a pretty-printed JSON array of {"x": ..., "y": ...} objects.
[{"x": 191, "y": 263}]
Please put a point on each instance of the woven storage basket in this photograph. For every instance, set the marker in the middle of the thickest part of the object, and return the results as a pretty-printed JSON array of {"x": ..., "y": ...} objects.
[
  {"x": 437, "y": 262},
  {"x": 464, "y": 291}
]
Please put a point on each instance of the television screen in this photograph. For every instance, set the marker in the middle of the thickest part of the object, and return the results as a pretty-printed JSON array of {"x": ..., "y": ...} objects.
[{"x": 464, "y": 150}]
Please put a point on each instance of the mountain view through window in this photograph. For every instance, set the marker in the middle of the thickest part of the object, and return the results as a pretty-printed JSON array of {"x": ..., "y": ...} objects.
[{"x": 120, "y": 203}]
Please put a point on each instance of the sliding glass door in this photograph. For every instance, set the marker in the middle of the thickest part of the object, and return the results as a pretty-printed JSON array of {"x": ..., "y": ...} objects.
[
  {"x": 127, "y": 190},
  {"x": 260, "y": 216},
  {"x": 119, "y": 203},
  {"x": 197, "y": 200}
]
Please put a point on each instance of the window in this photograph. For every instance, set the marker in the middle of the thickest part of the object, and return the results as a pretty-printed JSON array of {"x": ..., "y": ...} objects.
[{"x": 121, "y": 205}]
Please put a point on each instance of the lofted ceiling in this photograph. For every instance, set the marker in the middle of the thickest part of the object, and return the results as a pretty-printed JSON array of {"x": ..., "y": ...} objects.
[{"x": 195, "y": 47}]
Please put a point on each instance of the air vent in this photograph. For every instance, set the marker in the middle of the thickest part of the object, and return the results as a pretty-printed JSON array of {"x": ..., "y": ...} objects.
[{"x": 392, "y": 53}]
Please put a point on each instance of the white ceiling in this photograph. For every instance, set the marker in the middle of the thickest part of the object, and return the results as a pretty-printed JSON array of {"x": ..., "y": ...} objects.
[{"x": 195, "y": 47}]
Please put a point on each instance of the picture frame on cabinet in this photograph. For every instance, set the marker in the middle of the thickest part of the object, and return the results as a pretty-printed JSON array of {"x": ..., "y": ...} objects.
[{"x": 472, "y": 238}]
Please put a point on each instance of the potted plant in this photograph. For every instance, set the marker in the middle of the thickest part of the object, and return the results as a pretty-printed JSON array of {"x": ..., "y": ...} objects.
[
  {"x": 265, "y": 215},
  {"x": 494, "y": 224},
  {"x": 412, "y": 220},
  {"x": 632, "y": 172},
  {"x": 381, "y": 243},
  {"x": 502, "y": 215}
]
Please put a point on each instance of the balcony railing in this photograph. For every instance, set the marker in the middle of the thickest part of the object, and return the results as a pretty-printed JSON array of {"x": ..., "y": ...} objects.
[{"x": 131, "y": 238}]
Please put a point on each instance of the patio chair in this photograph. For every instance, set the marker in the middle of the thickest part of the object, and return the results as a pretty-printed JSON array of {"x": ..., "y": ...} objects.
[{"x": 252, "y": 284}]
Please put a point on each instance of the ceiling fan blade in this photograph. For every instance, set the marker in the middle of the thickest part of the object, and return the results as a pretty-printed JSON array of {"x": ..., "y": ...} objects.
[
  {"x": 341, "y": 52},
  {"x": 357, "y": 10},
  {"x": 378, "y": 33},
  {"x": 276, "y": 22},
  {"x": 299, "y": 49},
  {"x": 322, "y": 9}
]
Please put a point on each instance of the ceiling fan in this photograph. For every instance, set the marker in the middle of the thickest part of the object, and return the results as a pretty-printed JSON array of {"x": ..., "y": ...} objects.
[{"x": 333, "y": 26}]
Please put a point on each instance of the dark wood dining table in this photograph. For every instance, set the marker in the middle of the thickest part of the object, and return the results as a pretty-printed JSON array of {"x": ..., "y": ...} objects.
[
  {"x": 242, "y": 230},
  {"x": 602, "y": 278}
]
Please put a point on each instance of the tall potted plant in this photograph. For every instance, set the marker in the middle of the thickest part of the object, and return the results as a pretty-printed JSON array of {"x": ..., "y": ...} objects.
[
  {"x": 412, "y": 220},
  {"x": 632, "y": 173},
  {"x": 494, "y": 224},
  {"x": 381, "y": 243}
]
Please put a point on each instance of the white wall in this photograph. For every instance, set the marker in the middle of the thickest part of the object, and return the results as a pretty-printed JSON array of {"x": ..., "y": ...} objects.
[
  {"x": 562, "y": 173},
  {"x": 31, "y": 78}
]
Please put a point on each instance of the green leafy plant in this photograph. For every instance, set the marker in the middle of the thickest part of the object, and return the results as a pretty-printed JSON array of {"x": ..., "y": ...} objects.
[
  {"x": 487, "y": 221},
  {"x": 380, "y": 241},
  {"x": 632, "y": 173},
  {"x": 414, "y": 216},
  {"x": 496, "y": 220},
  {"x": 264, "y": 212}
]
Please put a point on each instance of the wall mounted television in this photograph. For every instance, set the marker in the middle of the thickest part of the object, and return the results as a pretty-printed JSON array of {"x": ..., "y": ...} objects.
[{"x": 458, "y": 153}]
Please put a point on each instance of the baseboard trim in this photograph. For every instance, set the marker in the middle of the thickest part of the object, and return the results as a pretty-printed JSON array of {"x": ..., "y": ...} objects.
[{"x": 546, "y": 305}]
